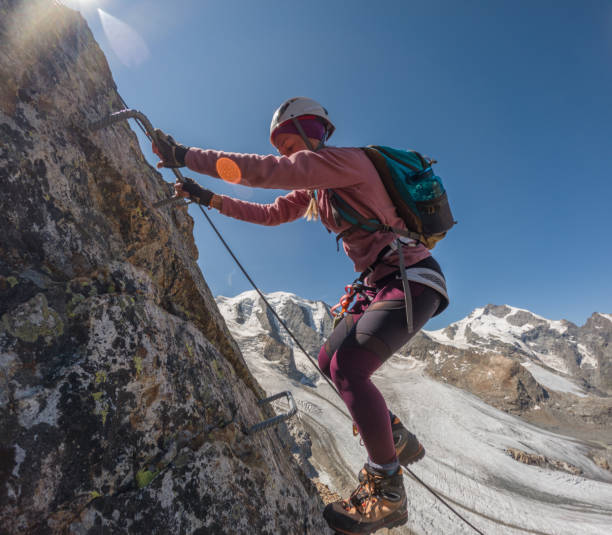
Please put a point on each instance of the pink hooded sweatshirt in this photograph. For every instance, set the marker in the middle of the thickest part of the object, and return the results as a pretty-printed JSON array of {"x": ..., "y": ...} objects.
[{"x": 346, "y": 170}]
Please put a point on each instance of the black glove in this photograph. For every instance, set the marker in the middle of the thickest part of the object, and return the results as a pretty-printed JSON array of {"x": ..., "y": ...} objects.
[
  {"x": 196, "y": 192},
  {"x": 172, "y": 153}
]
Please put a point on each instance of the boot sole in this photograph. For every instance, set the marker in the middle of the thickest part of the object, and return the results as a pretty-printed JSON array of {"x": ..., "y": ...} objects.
[
  {"x": 404, "y": 458},
  {"x": 390, "y": 523}
]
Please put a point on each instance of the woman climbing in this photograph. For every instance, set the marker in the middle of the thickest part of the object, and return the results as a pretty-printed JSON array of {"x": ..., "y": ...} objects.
[{"x": 376, "y": 326}]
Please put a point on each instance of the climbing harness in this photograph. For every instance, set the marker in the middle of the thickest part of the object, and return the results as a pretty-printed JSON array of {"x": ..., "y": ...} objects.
[
  {"x": 357, "y": 287},
  {"x": 406, "y": 285},
  {"x": 343, "y": 304},
  {"x": 149, "y": 131}
]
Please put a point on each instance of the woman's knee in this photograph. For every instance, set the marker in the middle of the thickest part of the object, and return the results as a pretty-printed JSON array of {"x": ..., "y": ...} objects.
[{"x": 352, "y": 366}]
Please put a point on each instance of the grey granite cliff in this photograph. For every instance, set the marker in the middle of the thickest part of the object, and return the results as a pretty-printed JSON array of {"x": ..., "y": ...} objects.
[{"x": 124, "y": 401}]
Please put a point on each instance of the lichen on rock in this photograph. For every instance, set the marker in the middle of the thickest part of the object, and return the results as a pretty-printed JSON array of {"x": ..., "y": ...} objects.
[
  {"x": 124, "y": 401},
  {"x": 32, "y": 320}
]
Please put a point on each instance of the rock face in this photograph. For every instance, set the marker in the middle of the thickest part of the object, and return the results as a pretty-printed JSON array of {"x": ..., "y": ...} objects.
[
  {"x": 498, "y": 379},
  {"x": 124, "y": 401}
]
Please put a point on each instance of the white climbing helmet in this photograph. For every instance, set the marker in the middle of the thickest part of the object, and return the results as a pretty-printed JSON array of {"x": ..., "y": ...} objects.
[{"x": 296, "y": 107}]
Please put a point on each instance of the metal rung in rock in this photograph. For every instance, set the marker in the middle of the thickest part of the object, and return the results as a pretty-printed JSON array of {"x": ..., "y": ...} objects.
[
  {"x": 271, "y": 422},
  {"x": 124, "y": 115},
  {"x": 140, "y": 117}
]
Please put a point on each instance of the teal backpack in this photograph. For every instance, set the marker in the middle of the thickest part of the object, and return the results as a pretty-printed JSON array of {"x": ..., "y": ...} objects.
[{"x": 416, "y": 191}]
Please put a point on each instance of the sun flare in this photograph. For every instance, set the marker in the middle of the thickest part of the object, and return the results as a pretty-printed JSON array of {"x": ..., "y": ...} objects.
[{"x": 125, "y": 41}]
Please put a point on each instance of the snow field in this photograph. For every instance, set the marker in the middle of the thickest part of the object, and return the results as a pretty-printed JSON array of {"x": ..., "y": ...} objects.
[{"x": 465, "y": 441}]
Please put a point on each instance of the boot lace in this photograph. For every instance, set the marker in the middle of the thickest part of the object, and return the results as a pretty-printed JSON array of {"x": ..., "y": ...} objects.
[{"x": 364, "y": 497}]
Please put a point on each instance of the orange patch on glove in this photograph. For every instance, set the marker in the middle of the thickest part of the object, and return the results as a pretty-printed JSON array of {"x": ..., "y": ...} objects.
[{"x": 228, "y": 170}]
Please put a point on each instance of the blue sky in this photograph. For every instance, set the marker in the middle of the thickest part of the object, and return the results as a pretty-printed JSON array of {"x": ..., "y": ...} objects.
[{"x": 513, "y": 98}]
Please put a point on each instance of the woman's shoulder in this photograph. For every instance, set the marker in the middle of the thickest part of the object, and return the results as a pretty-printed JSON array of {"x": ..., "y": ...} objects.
[
  {"x": 342, "y": 151},
  {"x": 346, "y": 157}
]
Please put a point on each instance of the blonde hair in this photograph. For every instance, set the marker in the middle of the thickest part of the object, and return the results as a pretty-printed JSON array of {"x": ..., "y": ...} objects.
[{"x": 312, "y": 212}]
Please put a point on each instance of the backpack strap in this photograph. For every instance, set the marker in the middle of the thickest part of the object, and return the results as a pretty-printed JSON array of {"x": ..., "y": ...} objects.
[
  {"x": 348, "y": 213},
  {"x": 375, "y": 149},
  {"x": 406, "y": 285}
]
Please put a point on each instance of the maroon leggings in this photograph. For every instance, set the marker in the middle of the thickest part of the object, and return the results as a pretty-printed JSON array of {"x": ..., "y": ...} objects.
[{"x": 367, "y": 336}]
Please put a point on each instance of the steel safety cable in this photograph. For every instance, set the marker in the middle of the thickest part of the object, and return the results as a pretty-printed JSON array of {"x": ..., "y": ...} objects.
[
  {"x": 412, "y": 474},
  {"x": 299, "y": 345},
  {"x": 297, "y": 342},
  {"x": 270, "y": 308},
  {"x": 245, "y": 273}
]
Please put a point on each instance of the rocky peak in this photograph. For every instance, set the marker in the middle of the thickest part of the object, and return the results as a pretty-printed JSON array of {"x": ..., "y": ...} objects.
[
  {"x": 582, "y": 353},
  {"x": 599, "y": 321},
  {"x": 499, "y": 311},
  {"x": 256, "y": 328},
  {"x": 124, "y": 401}
]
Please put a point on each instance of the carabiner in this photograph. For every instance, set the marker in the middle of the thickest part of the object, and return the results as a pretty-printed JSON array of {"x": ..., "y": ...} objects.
[{"x": 345, "y": 301}]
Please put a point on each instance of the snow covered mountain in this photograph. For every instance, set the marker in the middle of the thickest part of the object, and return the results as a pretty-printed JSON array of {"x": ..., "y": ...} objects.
[
  {"x": 580, "y": 352},
  {"x": 552, "y": 373},
  {"x": 472, "y": 393}
]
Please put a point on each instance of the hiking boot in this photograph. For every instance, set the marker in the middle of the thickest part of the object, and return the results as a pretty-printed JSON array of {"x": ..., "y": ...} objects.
[
  {"x": 378, "y": 502},
  {"x": 407, "y": 446}
]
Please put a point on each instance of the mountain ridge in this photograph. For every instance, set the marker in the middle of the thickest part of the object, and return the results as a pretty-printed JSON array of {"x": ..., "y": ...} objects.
[
  {"x": 482, "y": 445},
  {"x": 519, "y": 331},
  {"x": 516, "y": 361}
]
